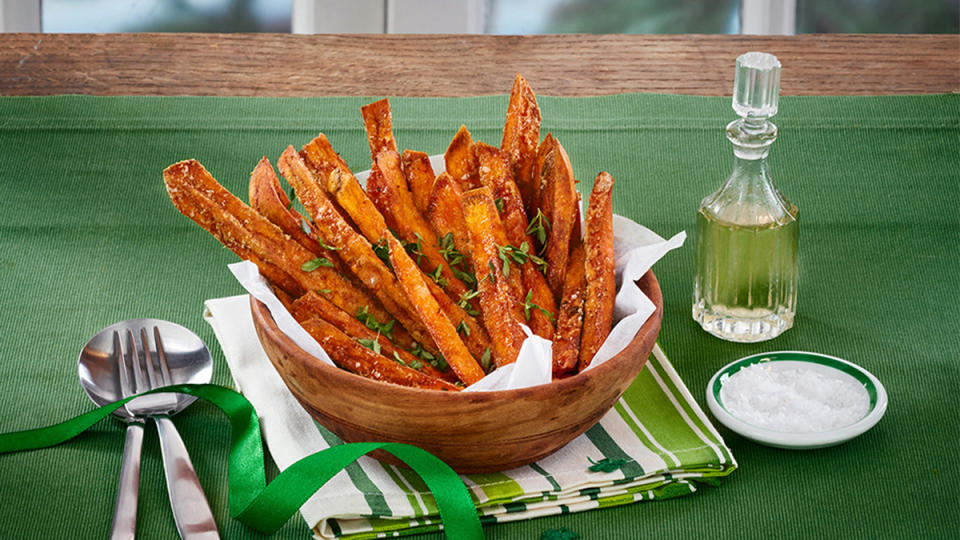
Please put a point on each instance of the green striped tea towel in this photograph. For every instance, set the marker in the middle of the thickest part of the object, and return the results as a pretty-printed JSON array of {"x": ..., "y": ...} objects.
[{"x": 654, "y": 444}]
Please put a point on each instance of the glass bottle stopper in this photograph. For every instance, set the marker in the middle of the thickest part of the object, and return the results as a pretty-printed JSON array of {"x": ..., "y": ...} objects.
[
  {"x": 756, "y": 85},
  {"x": 756, "y": 93}
]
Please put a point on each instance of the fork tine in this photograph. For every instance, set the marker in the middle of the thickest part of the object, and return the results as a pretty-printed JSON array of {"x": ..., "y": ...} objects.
[
  {"x": 148, "y": 360},
  {"x": 162, "y": 355},
  {"x": 141, "y": 382},
  {"x": 125, "y": 381}
]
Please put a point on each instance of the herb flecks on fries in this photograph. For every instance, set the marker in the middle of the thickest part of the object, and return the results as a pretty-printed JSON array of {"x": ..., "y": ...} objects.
[{"x": 423, "y": 279}]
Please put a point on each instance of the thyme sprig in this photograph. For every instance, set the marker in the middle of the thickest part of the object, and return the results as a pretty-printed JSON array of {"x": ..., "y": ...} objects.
[
  {"x": 464, "y": 302},
  {"x": 438, "y": 278},
  {"x": 449, "y": 250},
  {"x": 528, "y": 306},
  {"x": 539, "y": 226},
  {"x": 368, "y": 320},
  {"x": 415, "y": 248},
  {"x": 371, "y": 344}
]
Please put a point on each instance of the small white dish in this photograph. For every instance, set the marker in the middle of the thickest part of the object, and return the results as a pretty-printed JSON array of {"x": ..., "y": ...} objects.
[{"x": 836, "y": 367}]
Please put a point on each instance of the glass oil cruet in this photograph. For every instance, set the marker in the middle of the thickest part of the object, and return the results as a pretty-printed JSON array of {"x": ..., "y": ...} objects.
[{"x": 746, "y": 242}]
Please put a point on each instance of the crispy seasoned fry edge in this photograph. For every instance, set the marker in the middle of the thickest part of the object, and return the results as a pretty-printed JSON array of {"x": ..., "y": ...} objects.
[
  {"x": 521, "y": 135},
  {"x": 566, "y": 339},
  {"x": 495, "y": 174},
  {"x": 599, "y": 269},
  {"x": 267, "y": 197},
  {"x": 378, "y": 121},
  {"x": 563, "y": 192},
  {"x": 460, "y": 162},
  {"x": 420, "y": 177}
]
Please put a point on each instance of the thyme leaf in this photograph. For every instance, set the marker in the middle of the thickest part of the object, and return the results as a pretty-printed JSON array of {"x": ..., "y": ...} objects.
[
  {"x": 437, "y": 278},
  {"x": 292, "y": 195},
  {"x": 371, "y": 344},
  {"x": 448, "y": 250},
  {"x": 313, "y": 264},
  {"x": 485, "y": 360}
]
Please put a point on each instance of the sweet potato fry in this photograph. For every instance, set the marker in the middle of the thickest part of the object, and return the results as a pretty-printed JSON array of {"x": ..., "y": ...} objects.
[
  {"x": 460, "y": 162},
  {"x": 502, "y": 314},
  {"x": 267, "y": 198},
  {"x": 521, "y": 135},
  {"x": 389, "y": 195},
  {"x": 315, "y": 305},
  {"x": 444, "y": 334},
  {"x": 562, "y": 191},
  {"x": 539, "y": 306},
  {"x": 541, "y": 172},
  {"x": 566, "y": 339},
  {"x": 231, "y": 233},
  {"x": 445, "y": 213},
  {"x": 322, "y": 159},
  {"x": 601, "y": 287},
  {"x": 474, "y": 334},
  {"x": 495, "y": 174},
  {"x": 284, "y": 298},
  {"x": 353, "y": 248},
  {"x": 503, "y": 246},
  {"x": 378, "y": 120},
  {"x": 420, "y": 177},
  {"x": 354, "y": 357},
  {"x": 251, "y": 236},
  {"x": 347, "y": 191}
]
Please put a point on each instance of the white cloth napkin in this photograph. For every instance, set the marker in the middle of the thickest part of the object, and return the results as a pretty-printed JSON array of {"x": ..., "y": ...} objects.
[{"x": 656, "y": 431}]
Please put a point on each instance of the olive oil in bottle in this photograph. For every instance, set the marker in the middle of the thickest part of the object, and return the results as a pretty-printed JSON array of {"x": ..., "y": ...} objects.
[{"x": 747, "y": 234}]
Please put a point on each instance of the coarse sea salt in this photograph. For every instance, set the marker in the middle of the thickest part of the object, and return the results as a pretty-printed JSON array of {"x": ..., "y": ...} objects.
[{"x": 794, "y": 400}]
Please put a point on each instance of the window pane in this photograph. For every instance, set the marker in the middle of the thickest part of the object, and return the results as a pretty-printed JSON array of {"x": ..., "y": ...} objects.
[
  {"x": 878, "y": 16},
  {"x": 165, "y": 15},
  {"x": 614, "y": 16}
]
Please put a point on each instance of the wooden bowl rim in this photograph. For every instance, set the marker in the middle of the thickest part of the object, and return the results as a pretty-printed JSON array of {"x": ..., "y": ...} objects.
[{"x": 648, "y": 283}]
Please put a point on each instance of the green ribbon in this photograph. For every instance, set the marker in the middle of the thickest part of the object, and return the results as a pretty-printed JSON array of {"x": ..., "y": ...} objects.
[{"x": 267, "y": 507}]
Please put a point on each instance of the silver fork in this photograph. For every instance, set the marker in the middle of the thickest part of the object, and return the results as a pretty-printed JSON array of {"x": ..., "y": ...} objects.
[
  {"x": 125, "y": 509},
  {"x": 191, "y": 511}
]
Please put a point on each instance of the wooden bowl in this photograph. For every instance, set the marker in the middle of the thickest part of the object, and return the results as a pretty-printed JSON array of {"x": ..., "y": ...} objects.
[{"x": 471, "y": 431}]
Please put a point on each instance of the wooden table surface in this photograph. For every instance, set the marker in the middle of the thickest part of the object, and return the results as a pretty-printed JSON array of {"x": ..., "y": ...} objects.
[{"x": 462, "y": 65}]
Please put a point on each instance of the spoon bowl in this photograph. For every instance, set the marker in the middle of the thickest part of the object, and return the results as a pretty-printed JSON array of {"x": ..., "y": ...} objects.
[{"x": 187, "y": 355}]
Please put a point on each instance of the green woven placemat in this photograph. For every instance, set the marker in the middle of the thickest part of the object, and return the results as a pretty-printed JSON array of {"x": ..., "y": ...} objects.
[{"x": 87, "y": 238}]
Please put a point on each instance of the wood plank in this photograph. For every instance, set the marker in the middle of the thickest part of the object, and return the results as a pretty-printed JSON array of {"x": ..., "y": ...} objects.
[{"x": 428, "y": 65}]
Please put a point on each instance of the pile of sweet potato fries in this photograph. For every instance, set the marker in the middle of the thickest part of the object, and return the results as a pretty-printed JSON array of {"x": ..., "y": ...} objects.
[{"x": 422, "y": 279}]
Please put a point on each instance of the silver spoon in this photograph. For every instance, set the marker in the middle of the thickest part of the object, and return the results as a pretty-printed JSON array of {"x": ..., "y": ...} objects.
[{"x": 189, "y": 361}]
